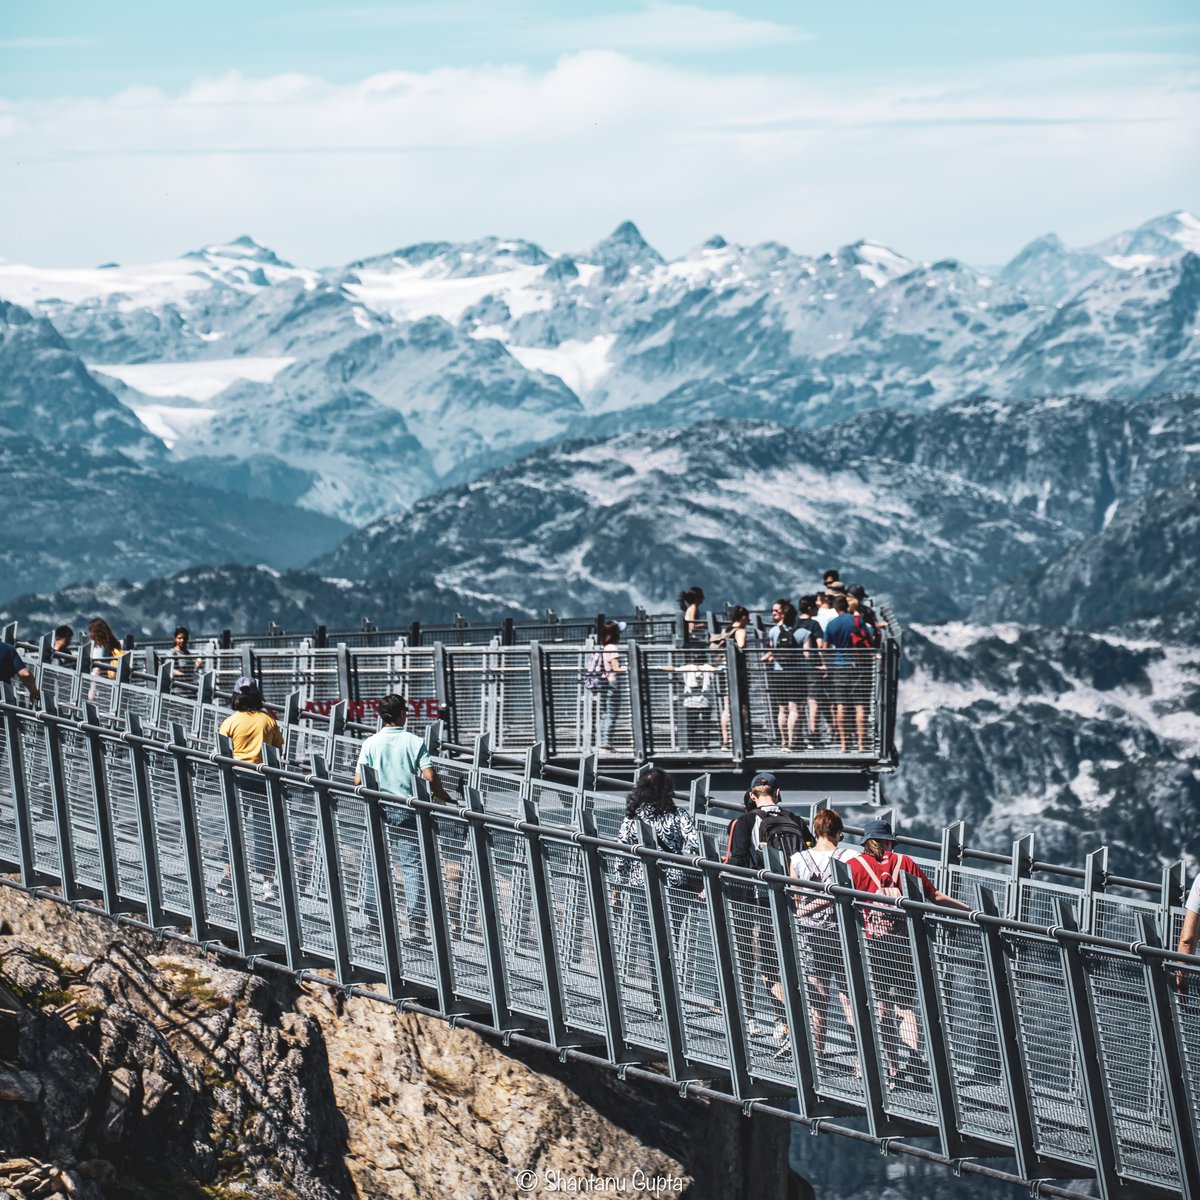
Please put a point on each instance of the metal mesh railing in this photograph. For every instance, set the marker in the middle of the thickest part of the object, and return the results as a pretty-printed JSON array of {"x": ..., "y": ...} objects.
[{"x": 1083, "y": 1047}]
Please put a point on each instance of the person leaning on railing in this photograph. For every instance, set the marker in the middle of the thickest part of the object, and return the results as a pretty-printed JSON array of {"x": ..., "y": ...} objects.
[{"x": 12, "y": 666}]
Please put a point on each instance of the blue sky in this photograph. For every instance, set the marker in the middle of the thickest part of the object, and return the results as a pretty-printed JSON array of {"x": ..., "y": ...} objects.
[{"x": 133, "y": 131}]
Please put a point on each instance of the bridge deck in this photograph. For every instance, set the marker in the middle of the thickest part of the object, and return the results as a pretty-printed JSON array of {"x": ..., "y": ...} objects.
[{"x": 1046, "y": 1024}]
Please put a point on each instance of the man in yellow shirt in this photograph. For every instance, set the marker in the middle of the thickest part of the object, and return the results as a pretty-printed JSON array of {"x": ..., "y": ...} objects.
[{"x": 248, "y": 728}]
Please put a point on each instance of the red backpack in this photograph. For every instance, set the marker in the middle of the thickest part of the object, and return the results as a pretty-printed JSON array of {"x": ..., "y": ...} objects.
[
  {"x": 878, "y": 920},
  {"x": 861, "y": 634}
]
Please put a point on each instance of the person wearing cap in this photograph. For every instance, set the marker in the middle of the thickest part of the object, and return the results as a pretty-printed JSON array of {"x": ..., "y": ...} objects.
[
  {"x": 877, "y": 870},
  {"x": 762, "y": 803}
]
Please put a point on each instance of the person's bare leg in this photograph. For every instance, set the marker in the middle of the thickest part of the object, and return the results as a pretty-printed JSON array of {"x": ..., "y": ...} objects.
[
  {"x": 793, "y": 719},
  {"x": 839, "y": 724},
  {"x": 860, "y": 722}
]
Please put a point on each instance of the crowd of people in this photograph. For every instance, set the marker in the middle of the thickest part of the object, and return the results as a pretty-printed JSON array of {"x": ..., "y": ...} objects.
[
  {"x": 875, "y": 868},
  {"x": 800, "y": 672}
]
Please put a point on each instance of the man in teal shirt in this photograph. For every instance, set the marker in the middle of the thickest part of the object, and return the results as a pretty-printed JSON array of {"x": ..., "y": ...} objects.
[{"x": 397, "y": 757}]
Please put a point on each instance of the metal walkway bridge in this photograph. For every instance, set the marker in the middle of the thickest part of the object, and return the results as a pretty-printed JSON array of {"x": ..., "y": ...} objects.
[{"x": 1047, "y": 1035}]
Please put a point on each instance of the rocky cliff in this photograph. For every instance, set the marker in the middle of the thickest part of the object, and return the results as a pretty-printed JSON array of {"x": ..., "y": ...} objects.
[{"x": 129, "y": 1071}]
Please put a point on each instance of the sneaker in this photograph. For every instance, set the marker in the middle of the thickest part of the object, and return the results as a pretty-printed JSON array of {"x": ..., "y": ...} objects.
[
  {"x": 268, "y": 891},
  {"x": 779, "y": 1030}
]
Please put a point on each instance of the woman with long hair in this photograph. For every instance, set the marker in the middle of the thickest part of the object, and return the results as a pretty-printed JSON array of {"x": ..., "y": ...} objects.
[{"x": 609, "y": 670}]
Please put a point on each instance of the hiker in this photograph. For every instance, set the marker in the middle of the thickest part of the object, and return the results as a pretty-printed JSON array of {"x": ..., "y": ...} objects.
[
  {"x": 12, "y": 666},
  {"x": 877, "y": 870},
  {"x": 816, "y": 915}
]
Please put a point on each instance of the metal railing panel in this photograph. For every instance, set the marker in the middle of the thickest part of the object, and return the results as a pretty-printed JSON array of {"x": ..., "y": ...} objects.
[
  {"x": 633, "y": 952},
  {"x": 1184, "y": 984},
  {"x": 966, "y": 884},
  {"x": 177, "y": 710},
  {"x": 456, "y": 870},
  {"x": 582, "y": 718},
  {"x": 358, "y": 885},
  {"x": 508, "y": 853},
  {"x": 967, "y": 1014},
  {"x": 10, "y": 850},
  {"x": 209, "y": 808},
  {"x": 884, "y": 939},
  {"x": 694, "y": 966},
  {"x": 1136, "y": 1096},
  {"x": 127, "y": 837},
  {"x": 686, "y": 702},
  {"x": 501, "y": 791},
  {"x": 491, "y": 691},
  {"x": 575, "y": 934},
  {"x": 59, "y": 684},
  {"x": 555, "y": 802},
  {"x": 35, "y": 770},
  {"x": 139, "y": 701},
  {"x": 312, "y": 885},
  {"x": 408, "y": 892},
  {"x": 814, "y": 702},
  {"x": 756, "y": 971},
  {"x": 168, "y": 830},
  {"x": 1051, "y": 1059},
  {"x": 823, "y": 978}
]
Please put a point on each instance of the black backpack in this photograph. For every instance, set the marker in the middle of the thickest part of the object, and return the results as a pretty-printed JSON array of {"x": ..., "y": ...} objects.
[
  {"x": 786, "y": 833},
  {"x": 786, "y": 638}
]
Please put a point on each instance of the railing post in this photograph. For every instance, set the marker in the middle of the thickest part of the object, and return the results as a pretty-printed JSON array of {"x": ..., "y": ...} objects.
[
  {"x": 489, "y": 919},
  {"x": 589, "y": 767},
  {"x": 537, "y": 686},
  {"x": 726, "y": 971},
  {"x": 442, "y": 689},
  {"x": 1095, "y": 872},
  {"x": 414, "y": 633},
  {"x": 637, "y": 709},
  {"x": 1096, "y": 1095},
  {"x": 193, "y": 862},
  {"x": 653, "y": 886},
  {"x": 954, "y": 839},
  {"x": 331, "y": 857},
  {"x": 508, "y": 636},
  {"x": 865, "y": 1022},
  {"x": 144, "y": 810},
  {"x": 543, "y": 911},
  {"x": 606, "y": 969},
  {"x": 934, "y": 1034},
  {"x": 795, "y": 998},
  {"x": 239, "y": 876},
  {"x": 60, "y": 805},
  {"x": 344, "y": 674},
  {"x": 102, "y": 813},
  {"x": 1022, "y": 868},
  {"x": 1174, "y": 886},
  {"x": 285, "y": 873},
  {"x": 734, "y": 686},
  {"x": 1008, "y": 1029},
  {"x": 12, "y": 734},
  {"x": 1168, "y": 1042},
  {"x": 438, "y": 914},
  {"x": 890, "y": 689},
  {"x": 389, "y": 935}
]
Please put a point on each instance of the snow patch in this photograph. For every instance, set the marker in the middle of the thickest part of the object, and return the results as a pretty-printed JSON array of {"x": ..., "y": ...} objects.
[
  {"x": 580, "y": 365},
  {"x": 198, "y": 381}
]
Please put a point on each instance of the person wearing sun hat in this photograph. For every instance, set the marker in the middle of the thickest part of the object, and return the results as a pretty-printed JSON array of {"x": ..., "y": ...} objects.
[{"x": 877, "y": 870}]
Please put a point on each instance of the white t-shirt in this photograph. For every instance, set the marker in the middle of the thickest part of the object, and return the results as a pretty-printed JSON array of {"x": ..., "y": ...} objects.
[
  {"x": 825, "y": 615},
  {"x": 815, "y": 865},
  {"x": 1193, "y": 898}
]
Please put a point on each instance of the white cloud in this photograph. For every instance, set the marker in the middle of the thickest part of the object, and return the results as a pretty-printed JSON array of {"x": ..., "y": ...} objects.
[{"x": 960, "y": 164}]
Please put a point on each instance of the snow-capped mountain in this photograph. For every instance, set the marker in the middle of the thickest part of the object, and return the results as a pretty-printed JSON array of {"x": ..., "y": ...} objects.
[{"x": 354, "y": 390}]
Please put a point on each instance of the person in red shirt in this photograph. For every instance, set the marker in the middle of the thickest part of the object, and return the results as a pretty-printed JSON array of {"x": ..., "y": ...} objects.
[{"x": 893, "y": 983}]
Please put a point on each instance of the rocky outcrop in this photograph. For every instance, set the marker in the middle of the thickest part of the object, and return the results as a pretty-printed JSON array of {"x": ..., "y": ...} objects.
[{"x": 129, "y": 1069}]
